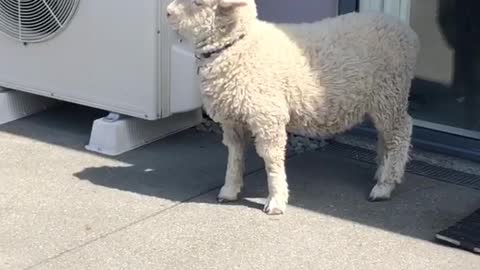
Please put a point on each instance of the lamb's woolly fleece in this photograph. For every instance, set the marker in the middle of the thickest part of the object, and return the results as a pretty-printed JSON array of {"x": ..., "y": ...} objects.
[{"x": 315, "y": 79}]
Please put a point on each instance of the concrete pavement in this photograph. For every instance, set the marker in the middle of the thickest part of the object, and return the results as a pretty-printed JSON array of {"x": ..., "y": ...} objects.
[{"x": 154, "y": 208}]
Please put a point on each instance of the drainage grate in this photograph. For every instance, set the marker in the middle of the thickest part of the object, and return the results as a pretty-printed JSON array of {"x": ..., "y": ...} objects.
[{"x": 414, "y": 166}]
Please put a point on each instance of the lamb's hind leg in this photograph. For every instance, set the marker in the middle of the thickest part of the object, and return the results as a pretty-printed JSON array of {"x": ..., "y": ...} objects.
[
  {"x": 396, "y": 139},
  {"x": 235, "y": 138}
]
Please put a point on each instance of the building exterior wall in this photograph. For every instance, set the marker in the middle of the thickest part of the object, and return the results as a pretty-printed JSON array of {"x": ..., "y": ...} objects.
[{"x": 296, "y": 10}]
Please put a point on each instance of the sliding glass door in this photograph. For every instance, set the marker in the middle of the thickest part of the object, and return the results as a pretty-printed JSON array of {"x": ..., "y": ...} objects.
[{"x": 446, "y": 91}]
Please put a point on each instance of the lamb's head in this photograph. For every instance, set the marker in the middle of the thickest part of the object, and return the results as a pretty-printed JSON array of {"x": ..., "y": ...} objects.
[{"x": 208, "y": 21}]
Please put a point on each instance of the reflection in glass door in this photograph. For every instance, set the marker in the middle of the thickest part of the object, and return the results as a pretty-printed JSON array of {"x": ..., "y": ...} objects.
[
  {"x": 446, "y": 92},
  {"x": 447, "y": 87}
]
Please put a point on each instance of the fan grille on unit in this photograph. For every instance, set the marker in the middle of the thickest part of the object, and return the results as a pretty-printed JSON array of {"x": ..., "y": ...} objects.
[{"x": 35, "y": 20}]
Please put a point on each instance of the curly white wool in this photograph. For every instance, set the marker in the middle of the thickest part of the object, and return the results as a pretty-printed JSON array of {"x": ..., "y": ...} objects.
[{"x": 260, "y": 80}]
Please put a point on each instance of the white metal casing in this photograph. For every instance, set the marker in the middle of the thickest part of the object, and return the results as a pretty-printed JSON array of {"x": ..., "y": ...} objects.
[{"x": 114, "y": 55}]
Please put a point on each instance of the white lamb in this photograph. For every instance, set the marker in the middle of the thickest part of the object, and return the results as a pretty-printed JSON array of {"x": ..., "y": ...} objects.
[{"x": 262, "y": 80}]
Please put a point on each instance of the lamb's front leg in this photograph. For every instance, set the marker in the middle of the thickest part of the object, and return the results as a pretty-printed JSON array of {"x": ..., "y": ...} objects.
[
  {"x": 235, "y": 138},
  {"x": 271, "y": 147}
]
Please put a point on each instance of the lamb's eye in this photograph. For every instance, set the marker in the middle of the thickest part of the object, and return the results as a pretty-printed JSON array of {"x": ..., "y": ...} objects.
[{"x": 197, "y": 2}]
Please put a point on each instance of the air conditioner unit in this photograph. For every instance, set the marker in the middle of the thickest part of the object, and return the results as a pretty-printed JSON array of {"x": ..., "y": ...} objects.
[{"x": 115, "y": 55}]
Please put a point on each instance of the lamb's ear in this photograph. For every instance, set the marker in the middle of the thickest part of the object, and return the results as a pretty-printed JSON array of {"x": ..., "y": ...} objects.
[{"x": 233, "y": 3}]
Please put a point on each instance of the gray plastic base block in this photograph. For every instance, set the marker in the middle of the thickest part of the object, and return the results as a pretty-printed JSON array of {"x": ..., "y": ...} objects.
[
  {"x": 15, "y": 105},
  {"x": 114, "y": 135}
]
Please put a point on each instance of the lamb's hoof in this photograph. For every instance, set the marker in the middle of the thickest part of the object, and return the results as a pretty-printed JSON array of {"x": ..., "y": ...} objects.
[
  {"x": 378, "y": 199},
  {"x": 227, "y": 194},
  {"x": 275, "y": 206},
  {"x": 381, "y": 192},
  {"x": 223, "y": 200}
]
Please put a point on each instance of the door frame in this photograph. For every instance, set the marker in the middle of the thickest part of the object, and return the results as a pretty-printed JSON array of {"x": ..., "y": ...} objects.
[{"x": 398, "y": 8}]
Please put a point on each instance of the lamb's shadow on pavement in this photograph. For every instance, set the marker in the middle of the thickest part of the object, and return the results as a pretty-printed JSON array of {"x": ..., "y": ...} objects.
[
  {"x": 173, "y": 184},
  {"x": 190, "y": 167},
  {"x": 338, "y": 188},
  {"x": 177, "y": 168},
  {"x": 324, "y": 184}
]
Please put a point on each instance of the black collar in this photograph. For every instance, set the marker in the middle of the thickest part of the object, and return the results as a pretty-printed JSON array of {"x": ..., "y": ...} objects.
[{"x": 206, "y": 55}]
